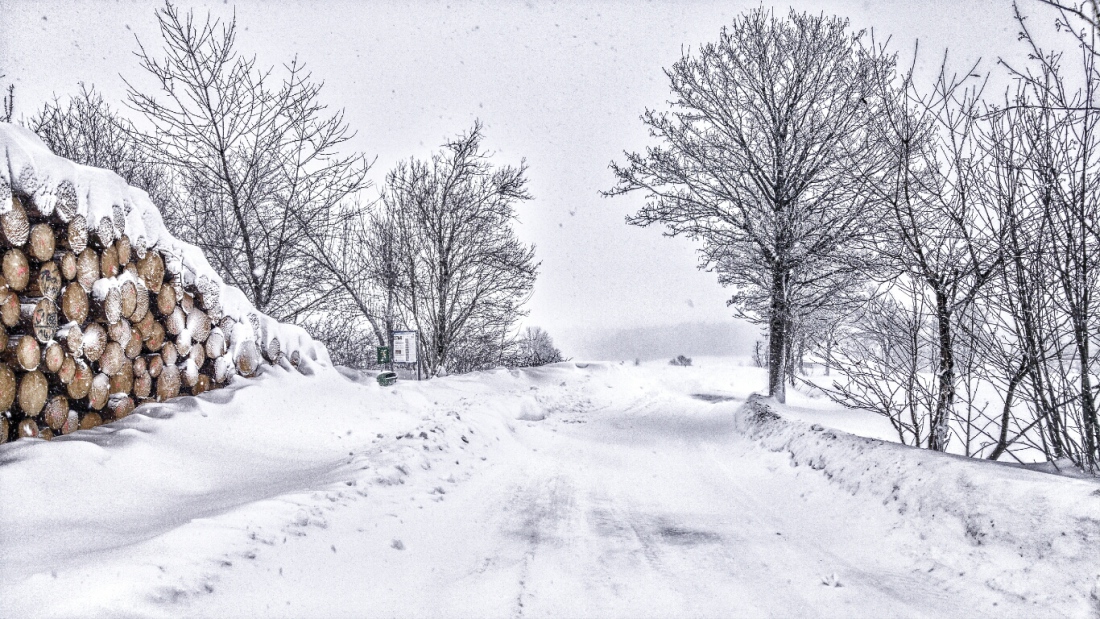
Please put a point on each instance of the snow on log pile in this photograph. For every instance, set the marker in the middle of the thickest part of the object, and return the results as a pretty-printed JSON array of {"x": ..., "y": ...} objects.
[{"x": 102, "y": 309}]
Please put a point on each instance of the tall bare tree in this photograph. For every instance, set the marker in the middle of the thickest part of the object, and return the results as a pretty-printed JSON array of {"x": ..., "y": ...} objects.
[
  {"x": 465, "y": 275},
  {"x": 767, "y": 158},
  {"x": 256, "y": 154}
]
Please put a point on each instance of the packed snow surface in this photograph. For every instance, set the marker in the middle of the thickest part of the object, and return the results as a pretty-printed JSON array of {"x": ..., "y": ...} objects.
[{"x": 597, "y": 490}]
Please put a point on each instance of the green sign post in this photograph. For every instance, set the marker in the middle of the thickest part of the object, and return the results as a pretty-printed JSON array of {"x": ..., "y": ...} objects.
[{"x": 383, "y": 354}]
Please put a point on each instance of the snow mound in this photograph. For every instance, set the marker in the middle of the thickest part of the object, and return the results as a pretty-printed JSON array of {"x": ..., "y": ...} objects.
[
  {"x": 1035, "y": 515},
  {"x": 58, "y": 187}
]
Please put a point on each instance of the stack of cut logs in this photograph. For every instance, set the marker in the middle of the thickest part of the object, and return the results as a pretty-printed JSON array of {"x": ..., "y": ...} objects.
[{"x": 93, "y": 327}]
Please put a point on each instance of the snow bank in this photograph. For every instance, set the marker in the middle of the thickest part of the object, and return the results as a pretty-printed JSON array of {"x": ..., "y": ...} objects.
[
  {"x": 58, "y": 187},
  {"x": 1035, "y": 515}
]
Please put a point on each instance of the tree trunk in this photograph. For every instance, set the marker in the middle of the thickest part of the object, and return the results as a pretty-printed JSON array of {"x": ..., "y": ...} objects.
[
  {"x": 8, "y": 387},
  {"x": 33, "y": 391},
  {"x": 777, "y": 337},
  {"x": 945, "y": 401},
  {"x": 74, "y": 303},
  {"x": 15, "y": 224},
  {"x": 76, "y": 234},
  {"x": 17, "y": 270},
  {"x": 81, "y": 383},
  {"x": 42, "y": 243},
  {"x": 87, "y": 269},
  {"x": 47, "y": 282}
]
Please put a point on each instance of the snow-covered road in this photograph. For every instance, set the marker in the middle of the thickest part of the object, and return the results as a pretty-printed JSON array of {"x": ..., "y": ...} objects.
[{"x": 569, "y": 493}]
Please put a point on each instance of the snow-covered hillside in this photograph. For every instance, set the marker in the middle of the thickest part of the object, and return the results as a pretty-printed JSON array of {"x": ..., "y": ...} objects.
[{"x": 569, "y": 490}]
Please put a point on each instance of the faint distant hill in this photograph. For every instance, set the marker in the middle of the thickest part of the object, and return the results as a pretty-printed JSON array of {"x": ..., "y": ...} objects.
[{"x": 690, "y": 338}]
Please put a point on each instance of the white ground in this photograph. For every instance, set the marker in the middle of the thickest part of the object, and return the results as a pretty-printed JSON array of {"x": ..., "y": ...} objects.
[{"x": 607, "y": 490}]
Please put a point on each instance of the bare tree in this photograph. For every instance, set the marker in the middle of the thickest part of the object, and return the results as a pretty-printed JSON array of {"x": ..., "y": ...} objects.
[
  {"x": 465, "y": 275},
  {"x": 256, "y": 156},
  {"x": 937, "y": 236},
  {"x": 534, "y": 347},
  {"x": 9, "y": 102},
  {"x": 767, "y": 158},
  {"x": 86, "y": 130}
]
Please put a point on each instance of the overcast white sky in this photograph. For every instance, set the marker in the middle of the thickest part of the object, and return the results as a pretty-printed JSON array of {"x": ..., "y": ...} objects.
[{"x": 560, "y": 84}]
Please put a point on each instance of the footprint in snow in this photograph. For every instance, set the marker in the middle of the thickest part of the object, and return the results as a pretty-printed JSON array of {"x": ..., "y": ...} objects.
[
  {"x": 397, "y": 544},
  {"x": 831, "y": 580}
]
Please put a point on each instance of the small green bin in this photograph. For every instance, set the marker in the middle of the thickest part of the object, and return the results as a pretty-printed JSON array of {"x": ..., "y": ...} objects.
[{"x": 387, "y": 379}]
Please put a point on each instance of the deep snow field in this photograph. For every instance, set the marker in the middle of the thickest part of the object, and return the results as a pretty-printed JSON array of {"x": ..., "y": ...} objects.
[{"x": 573, "y": 490}]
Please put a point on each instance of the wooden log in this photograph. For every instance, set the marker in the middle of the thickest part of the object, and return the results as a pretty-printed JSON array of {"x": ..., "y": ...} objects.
[
  {"x": 119, "y": 331},
  {"x": 127, "y": 293},
  {"x": 154, "y": 364},
  {"x": 94, "y": 342},
  {"x": 99, "y": 392},
  {"x": 143, "y": 385},
  {"x": 168, "y": 383},
  {"x": 134, "y": 345},
  {"x": 113, "y": 359},
  {"x": 187, "y": 302},
  {"x": 202, "y": 385},
  {"x": 120, "y": 405},
  {"x": 110, "y": 309},
  {"x": 28, "y": 428},
  {"x": 53, "y": 357},
  {"x": 73, "y": 337},
  {"x": 33, "y": 391},
  {"x": 43, "y": 319},
  {"x": 67, "y": 371},
  {"x": 154, "y": 340},
  {"x": 8, "y": 387},
  {"x": 42, "y": 243},
  {"x": 108, "y": 262},
  {"x": 67, "y": 265},
  {"x": 123, "y": 381},
  {"x": 141, "y": 301},
  {"x": 223, "y": 368},
  {"x": 74, "y": 303},
  {"x": 183, "y": 343},
  {"x": 15, "y": 224},
  {"x": 197, "y": 355},
  {"x": 5, "y": 428},
  {"x": 90, "y": 420},
  {"x": 176, "y": 322},
  {"x": 105, "y": 232},
  {"x": 17, "y": 270},
  {"x": 151, "y": 268},
  {"x": 189, "y": 372},
  {"x": 76, "y": 234},
  {"x": 198, "y": 323},
  {"x": 72, "y": 423},
  {"x": 122, "y": 250},
  {"x": 81, "y": 383},
  {"x": 141, "y": 366},
  {"x": 170, "y": 353},
  {"x": 248, "y": 358},
  {"x": 87, "y": 269},
  {"x": 3, "y": 338},
  {"x": 215, "y": 343},
  {"x": 57, "y": 412},
  {"x": 273, "y": 350},
  {"x": 166, "y": 301},
  {"x": 145, "y": 324},
  {"x": 24, "y": 352},
  {"x": 9, "y": 308},
  {"x": 47, "y": 282}
]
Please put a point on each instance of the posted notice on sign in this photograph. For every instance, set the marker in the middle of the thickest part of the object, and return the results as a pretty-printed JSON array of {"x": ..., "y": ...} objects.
[{"x": 404, "y": 346}]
